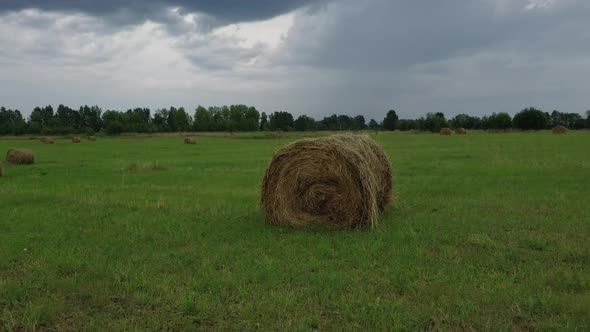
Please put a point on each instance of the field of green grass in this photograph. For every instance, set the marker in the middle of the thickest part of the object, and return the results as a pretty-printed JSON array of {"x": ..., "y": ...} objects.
[{"x": 487, "y": 232}]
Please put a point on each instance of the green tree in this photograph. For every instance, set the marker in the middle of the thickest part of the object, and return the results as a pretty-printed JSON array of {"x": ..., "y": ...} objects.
[
  {"x": 40, "y": 118},
  {"x": 252, "y": 119},
  {"x": 11, "y": 122},
  {"x": 263, "y": 122},
  {"x": 345, "y": 122},
  {"x": 68, "y": 120},
  {"x": 434, "y": 122},
  {"x": 407, "y": 124},
  {"x": 161, "y": 120},
  {"x": 90, "y": 117},
  {"x": 580, "y": 124},
  {"x": 530, "y": 119},
  {"x": 304, "y": 123},
  {"x": 113, "y": 122},
  {"x": 217, "y": 120},
  {"x": 330, "y": 123},
  {"x": 281, "y": 121},
  {"x": 110, "y": 116},
  {"x": 465, "y": 121},
  {"x": 569, "y": 120},
  {"x": 500, "y": 121},
  {"x": 226, "y": 118},
  {"x": 390, "y": 121},
  {"x": 358, "y": 123},
  {"x": 556, "y": 118},
  {"x": 373, "y": 125},
  {"x": 137, "y": 120},
  {"x": 237, "y": 118},
  {"x": 178, "y": 120},
  {"x": 114, "y": 128},
  {"x": 203, "y": 120}
]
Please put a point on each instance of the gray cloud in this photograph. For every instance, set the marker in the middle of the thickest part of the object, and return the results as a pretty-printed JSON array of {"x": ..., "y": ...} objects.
[
  {"x": 459, "y": 56},
  {"x": 386, "y": 35},
  {"x": 346, "y": 56},
  {"x": 138, "y": 10}
]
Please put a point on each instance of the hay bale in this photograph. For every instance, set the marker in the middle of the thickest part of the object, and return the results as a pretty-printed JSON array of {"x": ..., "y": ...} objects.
[
  {"x": 47, "y": 140},
  {"x": 76, "y": 139},
  {"x": 20, "y": 156},
  {"x": 92, "y": 138},
  {"x": 446, "y": 131},
  {"x": 460, "y": 131},
  {"x": 189, "y": 141},
  {"x": 560, "y": 130},
  {"x": 341, "y": 180}
]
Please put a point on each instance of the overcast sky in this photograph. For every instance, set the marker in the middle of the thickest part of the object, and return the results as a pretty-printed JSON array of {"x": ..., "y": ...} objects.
[{"x": 306, "y": 57}]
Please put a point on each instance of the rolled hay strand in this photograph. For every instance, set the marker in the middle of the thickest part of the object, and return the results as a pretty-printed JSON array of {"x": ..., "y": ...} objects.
[
  {"x": 92, "y": 138},
  {"x": 76, "y": 139},
  {"x": 189, "y": 141},
  {"x": 341, "y": 180},
  {"x": 47, "y": 140},
  {"x": 460, "y": 131},
  {"x": 20, "y": 156},
  {"x": 446, "y": 131},
  {"x": 560, "y": 130}
]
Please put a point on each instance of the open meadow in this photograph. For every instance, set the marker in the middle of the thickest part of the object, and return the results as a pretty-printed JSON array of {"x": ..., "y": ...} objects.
[{"x": 486, "y": 231}]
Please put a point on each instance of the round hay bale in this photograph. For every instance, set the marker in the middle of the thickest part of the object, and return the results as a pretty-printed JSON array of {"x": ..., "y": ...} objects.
[
  {"x": 20, "y": 156},
  {"x": 560, "y": 130},
  {"x": 76, "y": 139},
  {"x": 341, "y": 180},
  {"x": 446, "y": 131},
  {"x": 47, "y": 140},
  {"x": 92, "y": 138},
  {"x": 189, "y": 141},
  {"x": 460, "y": 131}
]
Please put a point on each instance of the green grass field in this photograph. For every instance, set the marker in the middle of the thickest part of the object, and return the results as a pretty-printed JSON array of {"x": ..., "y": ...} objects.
[{"x": 487, "y": 232}]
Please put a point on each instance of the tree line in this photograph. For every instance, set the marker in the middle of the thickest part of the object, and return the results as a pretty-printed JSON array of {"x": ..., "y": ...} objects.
[{"x": 65, "y": 120}]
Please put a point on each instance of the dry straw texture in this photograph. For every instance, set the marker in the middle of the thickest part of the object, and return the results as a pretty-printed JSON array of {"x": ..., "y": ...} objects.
[
  {"x": 560, "y": 130},
  {"x": 76, "y": 139},
  {"x": 460, "y": 131},
  {"x": 342, "y": 180},
  {"x": 189, "y": 141},
  {"x": 47, "y": 140},
  {"x": 20, "y": 156},
  {"x": 445, "y": 131},
  {"x": 92, "y": 138}
]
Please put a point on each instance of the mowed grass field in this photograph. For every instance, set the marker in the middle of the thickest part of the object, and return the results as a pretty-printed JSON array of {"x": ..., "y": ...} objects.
[{"x": 487, "y": 232}]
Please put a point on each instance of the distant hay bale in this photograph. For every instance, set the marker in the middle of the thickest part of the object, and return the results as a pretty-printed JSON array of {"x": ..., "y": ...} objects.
[
  {"x": 189, "y": 141},
  {"x": 92, "y": 138},
  {"x": 20, "y": 156},
  {"x": 560, "y": 130},
  {"x": 341, "y": 180},
  {"x": 76, "y": 139},
  {"x": 47, "y": 140},
  {"x": 446, "y": 131},
  {"x": 460, "y": 131}
]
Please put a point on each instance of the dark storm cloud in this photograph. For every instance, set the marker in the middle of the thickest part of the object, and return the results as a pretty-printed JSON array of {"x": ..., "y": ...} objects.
[
  {"x": 136, "y": 10},
  {"x": 455, "y": 56},
  {"x": 385, "y": 34}
]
